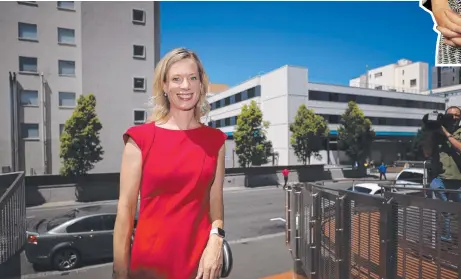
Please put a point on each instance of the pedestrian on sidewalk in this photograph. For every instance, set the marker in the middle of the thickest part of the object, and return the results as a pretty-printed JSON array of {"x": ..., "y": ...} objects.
[
  {"x": 285, "y": 173},
  {"x": 382, "y": 171}
]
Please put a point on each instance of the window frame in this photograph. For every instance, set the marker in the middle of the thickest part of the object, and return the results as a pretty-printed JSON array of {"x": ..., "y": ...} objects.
[
  {"x": 136, "y": 21},
  {"x": 143, "y": 56},
  {"x": 29, "y": 105},
  {"x": 64, "y": 43},
  {"x": 64, "y": 93},
  {"x": 26, "y": 38},
  {"x": 143, "y": 89},
  {"x": 59, "y": 68},
  {"x": 21, "y": 65},
  {"x": 23, "y": 125},
  {"x": 65, "y": 8},
  {"x": 139, "y": 121}
]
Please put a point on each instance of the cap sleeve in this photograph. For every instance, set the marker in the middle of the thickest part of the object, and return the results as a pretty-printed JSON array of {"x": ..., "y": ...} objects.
[{"x": 136, "y": 133}]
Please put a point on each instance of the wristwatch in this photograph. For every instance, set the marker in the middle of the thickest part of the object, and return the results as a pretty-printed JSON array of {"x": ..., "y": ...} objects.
[{"x": 218, "y": 231}]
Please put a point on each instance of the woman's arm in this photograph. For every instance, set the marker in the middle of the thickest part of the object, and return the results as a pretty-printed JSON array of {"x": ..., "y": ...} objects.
[
  {"x": 130, "y": 177},
  {"x": 216, "y": 192}
]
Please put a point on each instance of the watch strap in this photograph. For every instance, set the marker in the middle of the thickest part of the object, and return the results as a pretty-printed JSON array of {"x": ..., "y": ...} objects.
[{"x": 218, "y": 231}]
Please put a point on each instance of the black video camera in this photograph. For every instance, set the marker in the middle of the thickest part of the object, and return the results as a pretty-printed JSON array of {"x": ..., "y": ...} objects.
[{"x": 435, "y": 120}]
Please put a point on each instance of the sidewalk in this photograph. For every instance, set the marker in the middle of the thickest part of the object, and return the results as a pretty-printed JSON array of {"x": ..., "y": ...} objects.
[{"x": 267, "y": 258}]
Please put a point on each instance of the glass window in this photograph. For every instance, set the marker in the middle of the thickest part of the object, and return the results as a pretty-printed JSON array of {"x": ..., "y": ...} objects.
[
  {"x": 29, "y": 131},
  {"x": 139, "y": 16},
  {"x": 66, "y": 36},
  {"x": 232, "y": 99},
  {"x": 67, "y": 99},
  {"x": 27, "y": 31},
  {"x": 68, "y": 5},
  {"x": 227, "y": 101},
  {"x": 29, "y": 98},
  {"x": 139, "y": 83},
  {"x": 66, "y": 68},
  {"x": 139, "y": 51},
  {"x": 139, "y": 116},
  {"x": 238, "y": 97},
  {"x": 233, "y": 121},
  {"x": 244, "y": 95},
  {"x": 227, "y": 122},
  {"x": 251, "y": 93},
  {"x": 359, "y": 189},
  {"x": 89, "y": 224},
  {"x": 61, "y": 128},
  {"x": 28, "y": 64},
  {"x": 109, "y": 222}
]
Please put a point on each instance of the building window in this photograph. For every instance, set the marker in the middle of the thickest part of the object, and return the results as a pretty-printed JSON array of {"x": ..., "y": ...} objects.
[
  {"x": 139, "y": 16},
  {"x": 413, "y": 82},
  {"x": 139, "y": 51},
  {"x": 139, "y": 84},
  {"x": 139, "y": 116},
  {"x": 29, "y": 131},
  {"x": 66, "y": 5},
  {"x": 28, "y": 3},
  {"x": 67, "y": 99},
  {"x": 379, "y": 88},
  {"x": 66, "y": 36},
  {"x": 403, "y": 72},
  {"x": 66, "y": 68},
  {"x": 27, "y": 31},
  {"x": 28, "y": 64},
  {"x": 377, "y": 75},
  {"x": 29, "y": 98}
]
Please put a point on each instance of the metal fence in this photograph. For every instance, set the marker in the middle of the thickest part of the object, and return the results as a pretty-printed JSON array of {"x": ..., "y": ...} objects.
[
  {"x": 12, "y": 215},
  {"x": 339, "y": 234}
]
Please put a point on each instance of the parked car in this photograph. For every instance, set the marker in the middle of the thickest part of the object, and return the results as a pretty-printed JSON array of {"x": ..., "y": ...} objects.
[
  {"x": 410, "y": 178},
  {"x": 64, "y": 241},
  {"x": 367, "y": 188}
]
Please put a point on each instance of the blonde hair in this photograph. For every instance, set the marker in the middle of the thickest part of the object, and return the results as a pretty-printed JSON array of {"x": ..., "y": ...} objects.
[{"x": 160, "y": 101}]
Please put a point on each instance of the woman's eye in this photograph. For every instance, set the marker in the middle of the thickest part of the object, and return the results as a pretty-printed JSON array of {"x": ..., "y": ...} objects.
[
  {"x": 175, "y": 79},
  {"x": 194, "y": 78}
]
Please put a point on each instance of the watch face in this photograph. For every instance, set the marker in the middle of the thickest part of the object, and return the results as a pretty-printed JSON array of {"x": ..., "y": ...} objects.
[{"x": 221, "y": 232}]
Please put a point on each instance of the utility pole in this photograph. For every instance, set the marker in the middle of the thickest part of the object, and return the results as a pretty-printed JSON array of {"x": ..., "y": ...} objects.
[{"x": 44, "y": 124}]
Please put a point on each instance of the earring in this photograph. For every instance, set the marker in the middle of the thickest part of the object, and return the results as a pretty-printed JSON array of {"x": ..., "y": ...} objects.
[{"x": 164, "y": 94}]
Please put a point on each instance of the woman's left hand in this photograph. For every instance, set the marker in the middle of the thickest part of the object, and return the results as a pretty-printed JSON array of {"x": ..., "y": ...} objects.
[{"x": 211, "y": 262}]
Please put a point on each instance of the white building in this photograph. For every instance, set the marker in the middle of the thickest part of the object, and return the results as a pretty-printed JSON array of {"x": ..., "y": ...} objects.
[
  {"x": 395, "y": 116},
  {"x": 445, "y": 76},
  {"x": 403, "y": 76}
]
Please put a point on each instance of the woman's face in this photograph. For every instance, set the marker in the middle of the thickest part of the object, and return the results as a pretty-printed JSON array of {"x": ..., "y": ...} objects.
[{"x": 183, "y": 85}]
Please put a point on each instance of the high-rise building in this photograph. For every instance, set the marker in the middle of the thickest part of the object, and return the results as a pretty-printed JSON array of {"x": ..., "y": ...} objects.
[
  {"x": 403, "y": 76},
  {"x": 51, "y": 53},
  {"x": 445, "y": 76}
]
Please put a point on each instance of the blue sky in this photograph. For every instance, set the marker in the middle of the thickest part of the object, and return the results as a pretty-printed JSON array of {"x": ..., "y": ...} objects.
[{"x": 334, "y": 40}]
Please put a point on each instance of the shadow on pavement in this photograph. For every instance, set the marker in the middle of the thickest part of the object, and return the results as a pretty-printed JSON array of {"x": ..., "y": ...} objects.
[{"x": 12, "y": 267}]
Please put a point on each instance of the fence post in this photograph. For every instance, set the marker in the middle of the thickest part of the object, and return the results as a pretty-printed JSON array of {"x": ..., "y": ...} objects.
[
  {"x": 317, "y": 232},
  {"x": 388, "y": 239},
  {"x": 343, "y": 236},
  {"x": 288, "y": 217}
]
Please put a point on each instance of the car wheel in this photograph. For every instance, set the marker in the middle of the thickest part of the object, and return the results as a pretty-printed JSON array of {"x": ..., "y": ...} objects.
[{"x": 66, "y": 259}]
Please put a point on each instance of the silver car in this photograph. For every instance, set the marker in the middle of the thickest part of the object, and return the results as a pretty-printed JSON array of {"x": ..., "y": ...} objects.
[{"x": 63, "y": 242}]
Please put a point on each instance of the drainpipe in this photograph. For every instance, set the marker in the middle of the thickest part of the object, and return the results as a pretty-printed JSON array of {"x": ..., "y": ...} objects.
[{"x": 44, "y": 124}]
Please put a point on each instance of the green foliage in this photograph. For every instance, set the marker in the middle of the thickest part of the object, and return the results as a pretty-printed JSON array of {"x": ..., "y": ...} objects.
[
  {"x": 251, "y": 144},
  {"x": 80, "y": 144},
  {"x": 307, "y": 132},
  {"x": 355, "y": 134}
]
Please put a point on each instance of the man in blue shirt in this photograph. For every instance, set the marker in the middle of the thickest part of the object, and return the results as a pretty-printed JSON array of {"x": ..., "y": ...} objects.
[{"x": 382, "y": 171}]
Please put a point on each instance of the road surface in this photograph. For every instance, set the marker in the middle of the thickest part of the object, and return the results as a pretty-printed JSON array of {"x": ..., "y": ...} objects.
[{"x": 248, "y": 214}]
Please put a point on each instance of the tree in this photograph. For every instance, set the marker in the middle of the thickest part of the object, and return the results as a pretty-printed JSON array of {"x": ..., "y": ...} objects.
[
  {"x": 355, "y": 134},
  {"x": 307, "y": 132},
  {"x": 80, "y": 144},
  {"x": 251, "y": 144}
]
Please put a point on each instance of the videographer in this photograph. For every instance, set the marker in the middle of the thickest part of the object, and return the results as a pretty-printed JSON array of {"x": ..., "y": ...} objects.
[{"x": 443, "y": 146}]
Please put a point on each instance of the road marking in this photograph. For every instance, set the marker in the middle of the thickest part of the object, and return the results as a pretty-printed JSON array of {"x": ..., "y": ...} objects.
[
  {"x": 279, "y": 219},
  {"x": 88, "y": 268}
]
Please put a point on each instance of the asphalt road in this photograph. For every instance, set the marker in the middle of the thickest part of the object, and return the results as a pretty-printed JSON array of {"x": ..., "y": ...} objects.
[{"x": 248, "y": 214}]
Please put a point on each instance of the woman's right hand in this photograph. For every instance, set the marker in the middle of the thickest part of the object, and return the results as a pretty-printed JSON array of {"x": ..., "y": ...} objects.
[{"x": 448, "y": 22}]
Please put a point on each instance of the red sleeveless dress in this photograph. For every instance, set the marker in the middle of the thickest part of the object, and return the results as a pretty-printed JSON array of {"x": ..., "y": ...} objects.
[{"x": 173, "y": 222}]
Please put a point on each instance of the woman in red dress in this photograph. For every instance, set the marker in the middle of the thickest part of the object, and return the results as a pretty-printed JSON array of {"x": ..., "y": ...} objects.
[{"x": 176, "y": 165}]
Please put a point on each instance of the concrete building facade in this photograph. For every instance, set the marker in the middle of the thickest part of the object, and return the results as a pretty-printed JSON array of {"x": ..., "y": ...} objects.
[
  {"x": 445, "y": 76},
  {"x": 403, "y": 76},
  {"x": 280, "y": 93},
  {"x": 53, "y": 52}
]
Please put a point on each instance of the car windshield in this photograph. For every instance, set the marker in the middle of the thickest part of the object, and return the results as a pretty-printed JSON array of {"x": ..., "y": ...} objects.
[
  {"x": 61, "y": 219},
  {"x": 360, "y": 189},
  {"x": 410, "y": 177}
]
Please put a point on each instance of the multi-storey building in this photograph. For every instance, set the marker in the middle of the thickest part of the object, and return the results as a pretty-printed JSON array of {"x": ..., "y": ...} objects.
[
  {"x": 395, "y": 116},
  {"x": 445, "y": 76},
  {"x": 51, "y": 53},
  {"x": 403, "y": 76}
]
